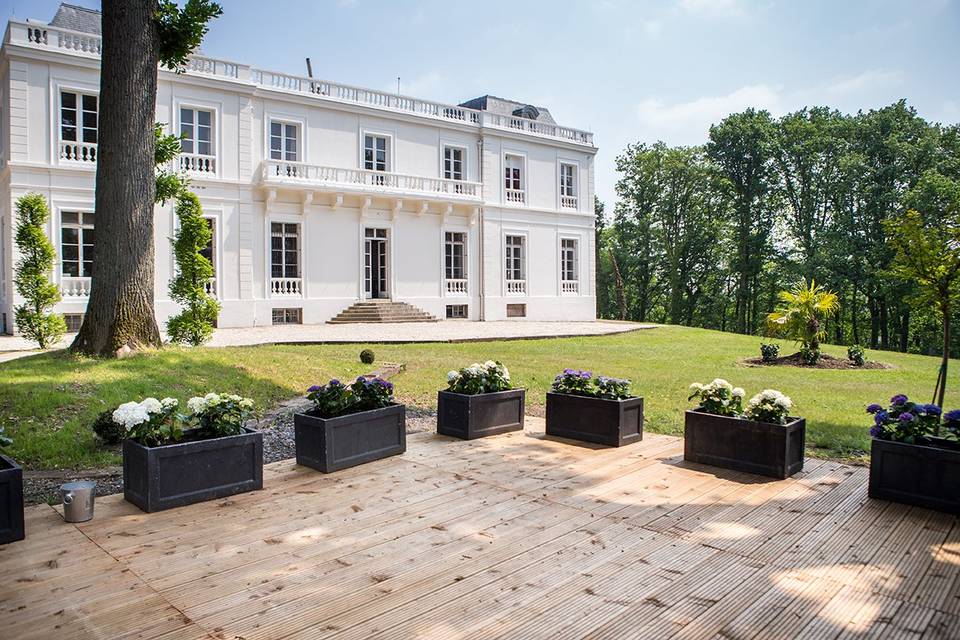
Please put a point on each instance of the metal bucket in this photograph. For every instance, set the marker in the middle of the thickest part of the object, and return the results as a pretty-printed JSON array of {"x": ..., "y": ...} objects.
[{"x": 78, "y": 500}]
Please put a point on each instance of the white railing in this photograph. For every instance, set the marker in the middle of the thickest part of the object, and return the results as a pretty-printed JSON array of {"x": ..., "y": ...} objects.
[
  {"x": 517, "y": 196},
  {"x": 80, "y": 152},
  {"x": 366, "y": 180},
  {"x": 286, "y": 287},
  {"x": 570, "y": 286},
  {"x": 86, "y": 44},
  {"x": 75, "y": 287},
  {"x": 568, "y": 202},
  {"x": 199, "y": 164},
  {"x": 456, "y": 287},
  {"x": 210, "y": 287},
  {"x": 516, "y": 287}
]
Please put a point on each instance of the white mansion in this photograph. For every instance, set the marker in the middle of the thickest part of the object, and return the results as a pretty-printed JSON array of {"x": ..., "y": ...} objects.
[{"x": 320, "y": 195}]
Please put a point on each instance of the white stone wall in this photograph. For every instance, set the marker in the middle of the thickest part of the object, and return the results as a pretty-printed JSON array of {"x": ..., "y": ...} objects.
[{"x": 332, "y": 220}]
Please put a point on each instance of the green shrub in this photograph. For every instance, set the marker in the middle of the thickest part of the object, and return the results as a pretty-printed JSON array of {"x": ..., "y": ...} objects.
[
  {"x": 856, "y": 355},
  {"x": 107, "y": 430},
  {"x": 193, "y": 325},
  {"x": 367, "y": 356},
  {"x": 769, "y": 352},
  {"x": 809, "y": 356},
  {"x": 31, "y": 276}
]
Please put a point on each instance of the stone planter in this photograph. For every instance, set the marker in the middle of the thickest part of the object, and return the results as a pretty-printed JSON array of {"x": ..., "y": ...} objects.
[
  {"x": 11, "y": 501},
  {"x": 477, "y": 416},
  {"x": 193, "y": 470},
  {"x": 774, "y": 450},
  {"x": 925, "y": 475},
  {"x": 599, "y": 420},
  {"x": 331, "y": 444}
]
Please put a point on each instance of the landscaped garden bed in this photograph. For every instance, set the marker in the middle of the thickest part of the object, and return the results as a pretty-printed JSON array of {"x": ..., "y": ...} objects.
[
  {"x": 350, "y": 425},
  {"x": 909, "y": 460},
  {"x": 763, "y": 440},
  {"x": 594, "y": 409},
  {"x": 11, "y": 497},
  {"x": 480, "y": 402},
  {"x": 167, "y": 466}
]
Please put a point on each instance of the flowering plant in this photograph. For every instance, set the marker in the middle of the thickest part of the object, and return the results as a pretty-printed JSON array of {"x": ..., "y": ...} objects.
[
  {"x": 337, "y": 399},
  {"x": 582, "y": 383},
  {"x": 719, "y": 397},
  {"x": 769, "y": 352},
  {"x": 855, "y": 355},
  {"x": 4, "y": 440},
  {"x": 905, "y": 421},
  {"x": 951, "y": 424},
  {"x": 150, "y": 422},
  {"x": 488, "y": 377},
  {"x": 769, "y": 406},
  {"x": 219, "y": 414}
]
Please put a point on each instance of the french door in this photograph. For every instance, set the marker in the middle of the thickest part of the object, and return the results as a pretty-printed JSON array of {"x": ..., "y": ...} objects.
[{"x": 375, "y": 277}]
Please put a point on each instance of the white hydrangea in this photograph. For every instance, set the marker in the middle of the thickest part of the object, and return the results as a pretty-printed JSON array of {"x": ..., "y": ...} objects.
[
  {"x": 169, "y": 403},
  {"x": 452, "y": 375},
  {"x": 196, "y": 404},
  {"x": 490, "y": 364},
  {"x": 738, "y": 392},
  {"x": 130, "y": 414},
  {"x": 475, "y": 369},
  {"x": 696, "y": 386},
  {"x": 151, "y": 405}
]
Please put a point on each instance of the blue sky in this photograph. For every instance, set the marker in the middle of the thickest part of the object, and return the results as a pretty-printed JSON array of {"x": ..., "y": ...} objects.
[{"x": 627, "y": 70}]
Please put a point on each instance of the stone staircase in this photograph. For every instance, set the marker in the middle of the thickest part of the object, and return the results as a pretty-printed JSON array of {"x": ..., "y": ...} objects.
[{"x": 371, "y": 311}]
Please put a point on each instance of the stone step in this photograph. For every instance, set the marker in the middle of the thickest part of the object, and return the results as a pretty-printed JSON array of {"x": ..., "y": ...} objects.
[{"x": 374, "y": 311}]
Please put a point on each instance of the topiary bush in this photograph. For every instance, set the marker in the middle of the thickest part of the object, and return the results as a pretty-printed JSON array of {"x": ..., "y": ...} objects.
[
  {"x": 856, "y": 355},
  {"x": 367, "y": 356},
  {"x": 194, "y": 324},
  {"x": 107, "y": 430},
  {"x": 769, "y": 352},
  {"x": 31, "y": 275}
]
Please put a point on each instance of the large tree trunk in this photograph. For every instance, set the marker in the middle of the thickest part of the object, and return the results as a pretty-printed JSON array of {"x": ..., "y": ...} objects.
[{"x": 120, "y": 311}]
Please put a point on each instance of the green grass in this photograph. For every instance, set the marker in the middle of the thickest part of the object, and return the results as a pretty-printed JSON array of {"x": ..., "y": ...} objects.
[{"x": 48, "y": 401}]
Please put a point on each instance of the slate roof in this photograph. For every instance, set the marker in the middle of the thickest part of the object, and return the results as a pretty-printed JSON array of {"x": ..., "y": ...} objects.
[
  {"x": 505, "y": 107},
  {"x": 70, "y": 16}
]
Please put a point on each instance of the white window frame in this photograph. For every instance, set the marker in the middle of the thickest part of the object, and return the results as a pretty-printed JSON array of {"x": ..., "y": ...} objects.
[
  {"x": 215, "y": 130},
  {"x": 57, "y": 88},
  {"x": 561, "y": 163},
  {"x": 214, "y": 134},
  {"x": 284, "y": 123},
  {"x": 524, "y": 180},
  {"x": 464, "y": 168},
  {"x": 390, "y": 150},
  {"x": 59, "y": 235},
  {"x": 524, "y": 253},
  {"x": 562, "y": 276},
  {"x": 268, "y": 251}
]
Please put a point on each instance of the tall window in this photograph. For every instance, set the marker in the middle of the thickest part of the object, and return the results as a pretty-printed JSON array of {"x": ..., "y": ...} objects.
[
  {"x": 513, "y": 178},
  {"x": 284, "y": 250},
  {"x": 209, "y": 251},
  {"x": 568, "y": 260},
  {"x": 76, "y": 244},
  {"x": 196, "y": 131},
  {"x": 455, "y": 255},
  {"x": 375, "y": 153},
  {"x": 515, "y": 268},
  {"x": 78, "y": 117},
  {"x": 568, "y": 186},
  {"x": 284, "y": 141},
  {"x": 453, "y": 163}
]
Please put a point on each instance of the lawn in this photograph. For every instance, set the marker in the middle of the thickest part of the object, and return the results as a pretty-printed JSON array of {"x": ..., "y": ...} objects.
[{"x": 48, "y": 401}]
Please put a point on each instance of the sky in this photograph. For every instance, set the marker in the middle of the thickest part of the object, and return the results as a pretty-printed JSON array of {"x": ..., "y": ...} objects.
[{"x": 630, "y": 71}]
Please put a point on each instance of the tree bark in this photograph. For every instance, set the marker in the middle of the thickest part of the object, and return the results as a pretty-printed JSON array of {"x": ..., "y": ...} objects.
[
  {"x": 120, "y": 311},
  {"x": 945, "y": 359}
]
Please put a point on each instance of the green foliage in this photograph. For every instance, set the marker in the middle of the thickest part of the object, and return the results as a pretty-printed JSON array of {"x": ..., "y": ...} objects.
[
  {"x": 489, "y": 377},
  {"x": 216, "y": 415},
  {"x": 769, "y": 352},
  {"x": 169, "y": 184},
  {"x": 194, "y": 324},
  {"x": 4, "y": 440},
  {"x": 107, "y": 430},
  {"x": 855, "y": 354},
  {"x": 583, "y": 383},
  {"x": 801, "y": 316},
  {"x": 718, "y": 397},
  {"x": 367, "y": 356},
  {"x": 32, "y": 272},
  {"x": 336, "y": 399},
  {"x": 769, "y": 406},
  {"x": 181, "y": 30}
]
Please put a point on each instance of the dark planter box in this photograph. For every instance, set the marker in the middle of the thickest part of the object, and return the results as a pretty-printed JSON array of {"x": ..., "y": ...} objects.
[
  {"x": 174, "y": 475},
  {"x": 477, "y": 416},
  {"x": 11, "y": 501},
  {"x": 610, "y": 422},
  {"x": 331, "y": 444},
  {"x": 774, "y": 450},
  {"x": 924, "y": 475}
]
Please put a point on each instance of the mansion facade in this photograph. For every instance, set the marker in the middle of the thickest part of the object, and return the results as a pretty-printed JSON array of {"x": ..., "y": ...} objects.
[{"x": 320, "y": 195}]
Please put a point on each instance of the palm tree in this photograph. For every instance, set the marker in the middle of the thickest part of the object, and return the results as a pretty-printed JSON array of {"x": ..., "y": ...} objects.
[{"x": 801, "y": 314}]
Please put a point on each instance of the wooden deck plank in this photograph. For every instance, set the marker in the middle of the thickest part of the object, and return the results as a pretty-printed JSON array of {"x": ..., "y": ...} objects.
[{"x": 516, "y": 536}]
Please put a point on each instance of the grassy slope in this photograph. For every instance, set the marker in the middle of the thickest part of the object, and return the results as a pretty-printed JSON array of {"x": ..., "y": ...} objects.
[{"x": 46, "y": 401}]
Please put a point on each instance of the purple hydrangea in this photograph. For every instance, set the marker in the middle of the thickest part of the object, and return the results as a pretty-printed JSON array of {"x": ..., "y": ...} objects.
[
  {"x": 314, "y": 388},
  {"x": 932, "y": 409},
  {"x": 952, "y": 416},
  {"x": 898, "y": 399},
  {"x": 335, "y": 383},
  {"x": 586, "y": 375},
  {"x": 906, "y": 416},
  {"x": 876, "y": 431},
  {"x": 873, "y": 408},
  {"x": 569, "y": 372},
  {"x": 880, "y": 417}
]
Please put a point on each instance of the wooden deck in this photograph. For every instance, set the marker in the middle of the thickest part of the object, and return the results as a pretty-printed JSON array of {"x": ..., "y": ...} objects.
[{"x": 514, "y": 536}]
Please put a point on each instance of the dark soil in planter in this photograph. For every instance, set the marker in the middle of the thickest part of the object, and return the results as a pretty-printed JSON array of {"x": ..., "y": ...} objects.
[{"x": 825, "y": 362}]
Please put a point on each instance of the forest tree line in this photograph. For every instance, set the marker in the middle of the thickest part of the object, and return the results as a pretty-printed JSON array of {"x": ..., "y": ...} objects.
[{"x": 709, "y": 235}]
